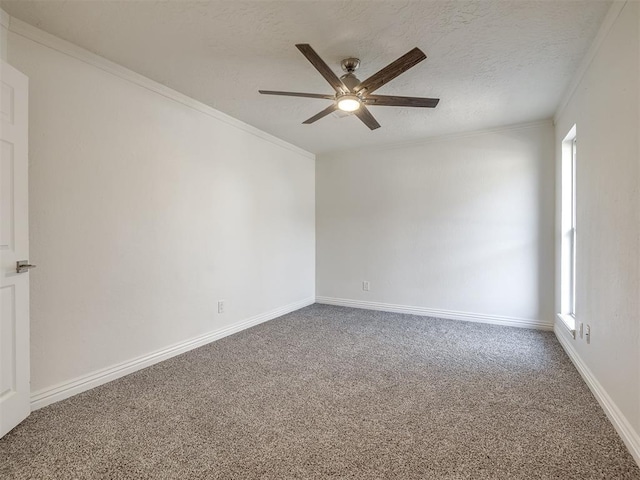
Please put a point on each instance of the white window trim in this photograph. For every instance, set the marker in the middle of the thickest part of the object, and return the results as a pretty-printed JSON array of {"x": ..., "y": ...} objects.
[
  {"x": 568, "y": 233},
  {"x": 569, "y": 322}
]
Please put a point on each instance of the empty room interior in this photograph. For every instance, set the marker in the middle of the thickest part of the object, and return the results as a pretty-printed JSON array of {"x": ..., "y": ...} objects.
[{"x": 320, "y": 239}]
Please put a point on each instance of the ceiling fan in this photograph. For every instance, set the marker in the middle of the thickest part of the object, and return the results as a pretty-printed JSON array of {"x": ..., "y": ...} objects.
[{"x": 354, "y": 96}]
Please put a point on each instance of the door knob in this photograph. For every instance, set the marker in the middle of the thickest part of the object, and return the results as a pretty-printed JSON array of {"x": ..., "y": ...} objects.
[{"x": 23, "y": 266}]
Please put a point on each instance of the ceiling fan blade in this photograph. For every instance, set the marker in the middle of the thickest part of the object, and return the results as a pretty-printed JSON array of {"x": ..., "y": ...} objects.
[
  {"x": 323, "y": 113},
  {"x": 365, "y": 115},
  {"x": 322, "y": 67},
  {"x": 391, "y": 71},
  {"x": 395, "y": 101},
  {"x": 297, "y": 94}
]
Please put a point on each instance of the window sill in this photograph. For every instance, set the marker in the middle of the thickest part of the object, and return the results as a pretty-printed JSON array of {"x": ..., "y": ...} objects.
[{"x": 569, "y": 322}]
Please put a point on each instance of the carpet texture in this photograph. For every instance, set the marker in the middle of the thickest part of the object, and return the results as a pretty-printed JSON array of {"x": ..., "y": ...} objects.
[{"x": 333, "y": 392}]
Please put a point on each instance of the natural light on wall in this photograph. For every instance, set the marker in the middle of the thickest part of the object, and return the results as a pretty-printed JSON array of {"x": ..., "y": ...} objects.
[{"x": 568, "y": 224}]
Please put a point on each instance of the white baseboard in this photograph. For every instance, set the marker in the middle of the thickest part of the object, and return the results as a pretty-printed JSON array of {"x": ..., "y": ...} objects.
[
  {"x": 432, "y": 312},
  {"x": 628, "y": 434},
  {"x": 63, "y": 390}
]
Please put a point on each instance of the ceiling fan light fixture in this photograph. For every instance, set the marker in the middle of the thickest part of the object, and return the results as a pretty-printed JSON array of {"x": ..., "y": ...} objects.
[
  {"x": 353, "y": 96},
  {"x": 349, "y": 103}
]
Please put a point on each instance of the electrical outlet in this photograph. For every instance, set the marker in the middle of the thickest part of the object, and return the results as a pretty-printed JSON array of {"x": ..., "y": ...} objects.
[
  {"x": 365, "y": 286},
  {"x": 581, "y": 329},
  {"x": 588, "y": 334},
  {"x": 220, "y": 306}
]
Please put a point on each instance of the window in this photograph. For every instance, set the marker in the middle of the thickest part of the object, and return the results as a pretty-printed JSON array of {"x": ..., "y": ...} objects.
[{"x": 569, "y": 236}]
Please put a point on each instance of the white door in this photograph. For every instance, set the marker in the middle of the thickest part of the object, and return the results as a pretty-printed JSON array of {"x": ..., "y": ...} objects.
[{"x": 14, "y": 247}]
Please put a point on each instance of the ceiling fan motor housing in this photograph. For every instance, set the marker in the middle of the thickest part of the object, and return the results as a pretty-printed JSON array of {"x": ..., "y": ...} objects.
[
  {"x": 350, "y": 80},
  {"x": 350, "y": 65},
  {"x": 352, "y": 95}
]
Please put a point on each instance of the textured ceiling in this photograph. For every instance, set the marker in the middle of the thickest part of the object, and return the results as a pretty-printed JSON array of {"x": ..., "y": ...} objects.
[{"x": 490, "y": 62}]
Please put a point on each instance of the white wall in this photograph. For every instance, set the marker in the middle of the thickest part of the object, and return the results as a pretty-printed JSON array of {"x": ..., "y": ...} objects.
[
  {"x": 4, "y": 32},
  {"x": 144, "y": 212},
  {"x": 460, "y": 224},
  {"x": 605, "y": 108}
]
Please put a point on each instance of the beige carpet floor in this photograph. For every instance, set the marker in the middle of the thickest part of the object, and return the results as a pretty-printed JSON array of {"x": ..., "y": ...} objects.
[{"x": 331, "y": 392}]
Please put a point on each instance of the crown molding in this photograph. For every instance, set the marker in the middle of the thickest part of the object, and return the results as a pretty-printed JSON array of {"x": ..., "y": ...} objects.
[
  {"x": 51, "y": 41},
  {"x": 5, "y": 19},
  {"x": 612, "y": 15},
  {"x": 445, "y": 137}
]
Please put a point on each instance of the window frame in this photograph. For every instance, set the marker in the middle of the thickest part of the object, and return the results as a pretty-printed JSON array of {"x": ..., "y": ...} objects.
[
  {"x": 572, "y": 275},
  {"x": 568, "y": 215}
]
